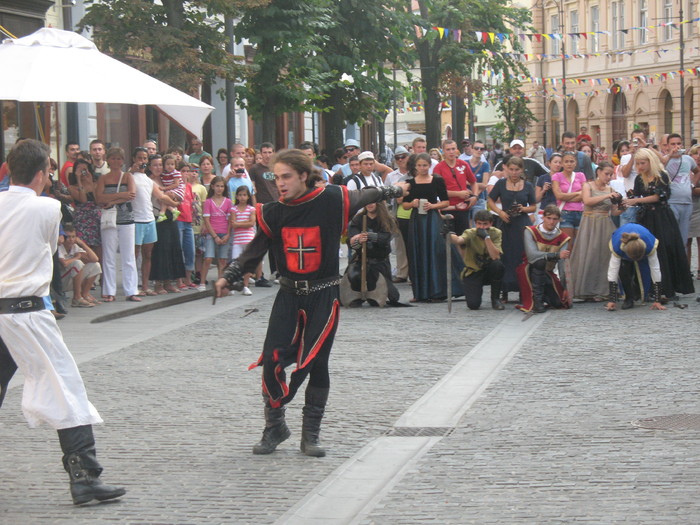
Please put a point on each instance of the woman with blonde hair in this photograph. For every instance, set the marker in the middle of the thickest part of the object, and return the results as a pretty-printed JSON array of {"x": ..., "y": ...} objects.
[
  {"x": 435, "y": 154},
  {"x": 651, "y": 193}
]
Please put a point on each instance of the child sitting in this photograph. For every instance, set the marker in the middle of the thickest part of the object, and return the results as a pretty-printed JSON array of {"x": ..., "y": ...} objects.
[
  {"x": 80, "y": 268},
  {"x": 173, "y": 186}
]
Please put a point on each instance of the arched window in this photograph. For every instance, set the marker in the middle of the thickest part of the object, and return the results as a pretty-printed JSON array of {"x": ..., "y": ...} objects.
[
  {"x": 554, "y": 125},
  {"x": 619, "y": 114},
  {"x": 668, "y": 113}
]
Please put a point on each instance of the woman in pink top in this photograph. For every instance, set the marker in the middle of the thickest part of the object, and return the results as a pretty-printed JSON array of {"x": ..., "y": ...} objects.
[
  {"x": 217, "y": 245},
  {"x": 567, "y": 186},
  {"x": 243, "y": 224}
]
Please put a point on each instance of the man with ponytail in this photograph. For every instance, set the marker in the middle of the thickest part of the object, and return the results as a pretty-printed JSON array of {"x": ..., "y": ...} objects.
[{"x": 633, "y": 257}]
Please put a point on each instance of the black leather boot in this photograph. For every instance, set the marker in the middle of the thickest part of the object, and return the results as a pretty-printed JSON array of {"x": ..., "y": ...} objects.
[
  {"x": 276, "y": 430},
  {"x": 538, "y": 283},
  {"x": 80, "y": 461},
  {"x": 496, "y": 302},
  {"x": 314, "y": 408}
]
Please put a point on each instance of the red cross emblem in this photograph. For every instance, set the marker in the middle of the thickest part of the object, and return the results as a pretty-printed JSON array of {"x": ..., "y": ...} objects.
[{"x": 302, "y": 249}]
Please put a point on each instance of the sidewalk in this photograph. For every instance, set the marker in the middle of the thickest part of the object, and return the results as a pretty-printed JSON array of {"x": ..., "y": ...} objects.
[{"x": 544, "y": 438}]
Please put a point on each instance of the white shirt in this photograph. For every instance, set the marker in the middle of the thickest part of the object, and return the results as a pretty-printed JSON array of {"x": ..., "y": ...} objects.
[
  {"x": 372, "y": 180},
  {"x": 629, "y": 181},
  {"x": 28, "y": 240},
  {"x": 142, "y": 205}
]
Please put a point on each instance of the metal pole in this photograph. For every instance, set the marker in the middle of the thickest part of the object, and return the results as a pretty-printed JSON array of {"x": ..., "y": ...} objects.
[
  {"x": 396, "y": 132},
  {"x": 563, "y": 64},
  {"x": 682, "y": 78},
  {"x": 230, "y": 89}
]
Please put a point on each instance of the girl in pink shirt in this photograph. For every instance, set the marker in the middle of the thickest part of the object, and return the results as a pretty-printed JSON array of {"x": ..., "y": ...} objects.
[
  {"x": 243, "y": 224},
  {"x": 217, "y": 245},
  {"x": 567, "y": 186}
]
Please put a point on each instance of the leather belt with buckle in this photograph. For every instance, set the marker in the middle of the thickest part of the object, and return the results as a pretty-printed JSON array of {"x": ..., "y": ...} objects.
[{"x": 21, "y": 305}]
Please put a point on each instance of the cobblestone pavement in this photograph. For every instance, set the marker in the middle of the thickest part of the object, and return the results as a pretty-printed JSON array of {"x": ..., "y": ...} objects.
[{"x": 549, "y": 441}]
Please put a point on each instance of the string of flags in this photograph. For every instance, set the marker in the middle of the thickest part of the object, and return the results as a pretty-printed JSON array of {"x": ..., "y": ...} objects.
[
  {"x": 491, "y": 36},
  {"x": 642, "y": 79}
]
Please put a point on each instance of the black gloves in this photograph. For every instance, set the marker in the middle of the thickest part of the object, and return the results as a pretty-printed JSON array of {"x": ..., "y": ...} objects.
[{"x": 483, "y": 233}]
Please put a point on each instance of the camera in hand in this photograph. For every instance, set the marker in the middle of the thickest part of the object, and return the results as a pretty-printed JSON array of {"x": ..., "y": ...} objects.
[
  {"x": 514, "y": 210},
  {"x": 616, "y": 199}
]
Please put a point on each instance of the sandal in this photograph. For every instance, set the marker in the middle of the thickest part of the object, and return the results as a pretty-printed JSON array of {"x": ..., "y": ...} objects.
[
  {"x": 142, "y": 293},
  {"x": 108, "y": 298},
  {"x": 159, "y": 291},
  {"x": 134, "y": 298},
  {"x": 149, "y": 293},
  {"x": 171, "y": 289}
]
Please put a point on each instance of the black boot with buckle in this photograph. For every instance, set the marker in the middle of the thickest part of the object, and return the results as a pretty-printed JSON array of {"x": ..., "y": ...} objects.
[
  {"x": 313, "y": 411},
  {"x": 80, "y": 461},
  {"x": 276, "y": 430}
]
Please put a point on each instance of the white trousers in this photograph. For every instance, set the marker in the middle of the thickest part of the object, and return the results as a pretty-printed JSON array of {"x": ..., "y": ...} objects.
[
  {"x": 54, "y": 392},
  {"x": 124, "y": 237}
]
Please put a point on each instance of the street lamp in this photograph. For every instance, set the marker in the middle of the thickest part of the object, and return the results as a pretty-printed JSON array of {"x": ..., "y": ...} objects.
[{"x": 562, "y": 24}]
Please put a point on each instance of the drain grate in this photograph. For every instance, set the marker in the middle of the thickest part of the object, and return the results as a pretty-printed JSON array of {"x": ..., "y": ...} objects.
[
  {"x": 673, "y": 422},
  {"x": 419, "y": 431}
]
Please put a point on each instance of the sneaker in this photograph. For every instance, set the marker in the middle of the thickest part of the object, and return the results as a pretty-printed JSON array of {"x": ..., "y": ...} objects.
[
  {"x": 246, "y": 291},
  {"x": 201, "y": 287},
  {"x": 195, "y": 278},
  {"x": 162, "y": 217},
  {"x": 176, "y": 214},
  {"x": 263, "y": 283},
  {"x": 232, "y": 292}
]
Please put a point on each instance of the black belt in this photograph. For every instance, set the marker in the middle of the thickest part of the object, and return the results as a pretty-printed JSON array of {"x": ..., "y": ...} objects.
[
  {"x": 307, "y": 287},
  {"x": 20, "y": 305}
]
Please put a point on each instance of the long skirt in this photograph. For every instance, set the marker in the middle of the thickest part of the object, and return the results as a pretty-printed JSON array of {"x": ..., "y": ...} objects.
[
  {"x": 167, "y": 261},
  {"x": 513, "y": 249},
  {"x": 427, "y": 259},
  {"x": 675, "y": 270},
  {"x": 591, "y": 256}
]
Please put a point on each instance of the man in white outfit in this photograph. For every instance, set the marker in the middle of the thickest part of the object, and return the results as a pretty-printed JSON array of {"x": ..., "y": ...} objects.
[{"x": 29, "y": 336}]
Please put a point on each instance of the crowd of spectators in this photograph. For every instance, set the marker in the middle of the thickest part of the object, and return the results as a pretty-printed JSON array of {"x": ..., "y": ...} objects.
[{"x": 171, "y": 215}]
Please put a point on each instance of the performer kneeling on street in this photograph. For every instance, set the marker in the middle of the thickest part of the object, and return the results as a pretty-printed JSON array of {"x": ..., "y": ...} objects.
[
  {"x": 481, "y": 251},
  {"x": 634, "y": 255},
  {"x": 377, "y": 233},
  {"x": 30, "y": 340},
  {"x": 545, "y": 248},
  {"x": 303, "y": 231}
]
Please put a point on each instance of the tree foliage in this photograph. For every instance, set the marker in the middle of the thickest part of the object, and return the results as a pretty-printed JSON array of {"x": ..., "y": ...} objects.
[
  {"x": 513, "y": 109},
  {"x": 365, "y": 40},
  {"x": 179, "y": 42},
  {"x": 287, "y": 73},
  {"x": 443, "y": 60}
]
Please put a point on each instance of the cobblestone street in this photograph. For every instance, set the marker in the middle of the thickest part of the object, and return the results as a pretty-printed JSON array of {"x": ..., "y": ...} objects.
[{"x": 547, "y": 440}]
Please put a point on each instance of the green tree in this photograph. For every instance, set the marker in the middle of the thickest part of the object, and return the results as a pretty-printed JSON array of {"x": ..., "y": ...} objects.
[
  {"x": 287, "y": 73},
  {"x": 513, "y": 109},
  {"x": 366, "y": 39},
  {"x": 444, "y": 57},
  {"x": 180, "y": 42}
]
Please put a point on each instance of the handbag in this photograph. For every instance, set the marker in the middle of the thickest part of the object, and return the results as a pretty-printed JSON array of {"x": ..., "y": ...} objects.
[{"x": 108, "y": 220}]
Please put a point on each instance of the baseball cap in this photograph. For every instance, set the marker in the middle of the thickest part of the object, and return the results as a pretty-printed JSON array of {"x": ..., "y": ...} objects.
[
  {"x": 365, "y": 155},
  {"x": 352, "y": 143},
  {"x": 400, "y": 151},
  {"x": 517, "y": 142}
]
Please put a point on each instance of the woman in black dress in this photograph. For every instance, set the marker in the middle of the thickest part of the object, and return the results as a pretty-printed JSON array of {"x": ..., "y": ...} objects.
[
  {"x": 517, "y": 198},
  {"x": 167, "y": 263},
  {"x": 427, "y": 264},
  {"x": 651, "y": 191}
]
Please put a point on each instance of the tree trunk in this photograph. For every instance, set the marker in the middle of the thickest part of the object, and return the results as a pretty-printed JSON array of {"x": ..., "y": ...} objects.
[
  {"x": 431, "y": 103},
  {"x": 461, "y": 112},
  {"x": 269, "y": 124},
  {"x": 333, "y": 123}
]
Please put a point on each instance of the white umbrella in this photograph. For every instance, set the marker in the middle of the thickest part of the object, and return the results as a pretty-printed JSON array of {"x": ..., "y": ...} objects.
[{"x": 39, "y": 68}]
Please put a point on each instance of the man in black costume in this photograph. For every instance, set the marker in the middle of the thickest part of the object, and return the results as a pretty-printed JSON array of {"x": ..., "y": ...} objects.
[
  {"x": 303, "y": 230},
  {"x": 377, "y": 236}
]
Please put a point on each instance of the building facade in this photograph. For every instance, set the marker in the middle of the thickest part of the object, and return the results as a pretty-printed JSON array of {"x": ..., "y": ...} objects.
[{"x": 622, "y": 63}]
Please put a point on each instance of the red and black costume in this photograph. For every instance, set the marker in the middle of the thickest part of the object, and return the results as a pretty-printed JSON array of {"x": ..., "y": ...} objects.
[
  {"x": 304, "y": 236},
  {"x": 536, "y": 278}
]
